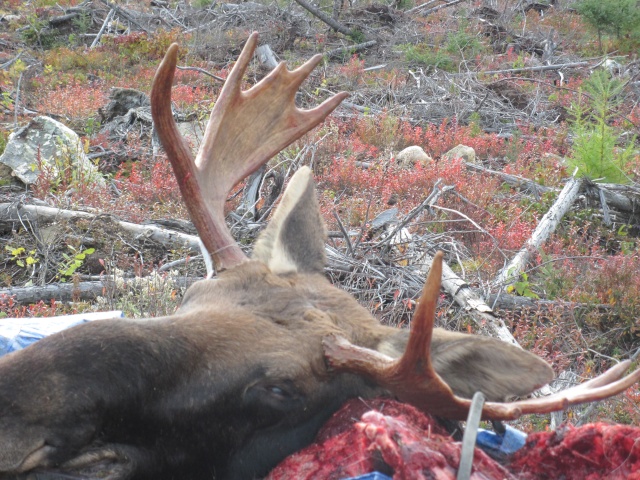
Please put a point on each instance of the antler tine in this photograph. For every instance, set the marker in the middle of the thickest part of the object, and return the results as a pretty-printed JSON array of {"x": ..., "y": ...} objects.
[
  {"x": 412, "y": 378},
  {"x": 244, "y": 131},
  {"x": 604, "y": 386}
]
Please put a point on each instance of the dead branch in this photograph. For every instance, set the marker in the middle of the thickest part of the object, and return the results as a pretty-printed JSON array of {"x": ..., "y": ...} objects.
[
  {"x": 7, "y": 64},
  {"x": 539, "y": 68},
  {"x": 63, "y": 18},
  {"x": 62, "y": 292},
  {"x": 73, "y": 292},
  {"x": 504, "y": 301},
  {"x": 337, "y": 26},
  {"x": 622, "y": 198},
  {"x": 336, "y": 52},
  {"x": 520, "y": 183},
  {"x": 440, "y": 7},
  {"x": 470, "y": 302},
  {"x": 266, "y": 57},
  {"x": 125, "y": 14},
  {"x": 107, "y": 19},
  {"x": 203, "y": 71},
  {"x": 625, "y": 198},
  {"x": 421, "y": 7}
]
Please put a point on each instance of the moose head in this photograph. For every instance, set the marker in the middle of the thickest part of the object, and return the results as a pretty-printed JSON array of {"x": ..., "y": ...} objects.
[{"x": 255, "y": 360}]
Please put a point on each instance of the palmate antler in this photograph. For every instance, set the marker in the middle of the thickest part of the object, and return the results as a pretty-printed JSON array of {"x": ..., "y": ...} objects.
[
  {"x": 412, "y": 378},
  {"x": 244, "y": 131}
]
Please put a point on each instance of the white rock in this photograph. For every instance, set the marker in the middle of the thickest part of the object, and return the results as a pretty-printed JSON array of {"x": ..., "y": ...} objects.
[
  {"x": 47, "y": 142},
  {"x": 467, "y": 154},
  {"x": 408, "y": 157}
]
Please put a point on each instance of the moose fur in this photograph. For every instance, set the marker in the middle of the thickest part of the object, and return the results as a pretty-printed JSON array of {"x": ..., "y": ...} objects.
[{"x": 230, "y": 384}]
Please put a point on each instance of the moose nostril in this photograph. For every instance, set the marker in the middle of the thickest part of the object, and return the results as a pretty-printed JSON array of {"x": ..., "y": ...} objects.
[{"x": 37, "y": 458}]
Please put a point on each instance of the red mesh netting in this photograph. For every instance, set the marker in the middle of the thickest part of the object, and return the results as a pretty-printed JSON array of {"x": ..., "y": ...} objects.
[{"x": 396, "y": 439}]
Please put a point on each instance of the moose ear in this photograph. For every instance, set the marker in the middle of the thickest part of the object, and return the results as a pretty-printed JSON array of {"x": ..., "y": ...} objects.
[
  {"x": 294, "y": 239},
  {"x": 469, "y": 363}
]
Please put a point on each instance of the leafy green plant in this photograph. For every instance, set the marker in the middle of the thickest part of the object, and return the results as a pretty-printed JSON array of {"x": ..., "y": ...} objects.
[
  {"x": 522, "y": 287},
  {"x": 4, "y": 138},
  {"x": 21, "y": 257},
  {"x": 357, "y": 36},
  {"x": 64, "y": 171},
  {"x": 82, "y": 23},
  {"x": 595, "y": 150},
  {"x": 72, "y": 261}
]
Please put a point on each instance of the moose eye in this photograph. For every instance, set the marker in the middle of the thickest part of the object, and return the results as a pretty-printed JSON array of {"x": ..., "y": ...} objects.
[
  {"x": 278, "y": 395},
  {"x": 278, "y": 391}
]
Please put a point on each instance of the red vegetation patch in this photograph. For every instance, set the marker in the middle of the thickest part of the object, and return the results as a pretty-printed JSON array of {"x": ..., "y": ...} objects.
[{"x": 76, "y": 101}]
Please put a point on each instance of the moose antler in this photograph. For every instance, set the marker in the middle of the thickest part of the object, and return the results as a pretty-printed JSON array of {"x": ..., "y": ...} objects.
[
  {"x": 244, "y": 131},
  {"x": 412, "y": 378}
]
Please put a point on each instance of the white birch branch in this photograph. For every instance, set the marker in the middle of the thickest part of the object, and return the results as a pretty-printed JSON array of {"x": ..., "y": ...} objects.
[{"x": 511, "y": 272}]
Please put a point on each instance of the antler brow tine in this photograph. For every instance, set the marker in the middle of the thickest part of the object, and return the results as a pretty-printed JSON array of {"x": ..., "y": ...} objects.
[{"x": 244, "y": 131}]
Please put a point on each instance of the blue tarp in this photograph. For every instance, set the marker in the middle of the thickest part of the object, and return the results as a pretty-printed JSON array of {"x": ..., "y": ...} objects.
[{"x": 18, "y": 333}]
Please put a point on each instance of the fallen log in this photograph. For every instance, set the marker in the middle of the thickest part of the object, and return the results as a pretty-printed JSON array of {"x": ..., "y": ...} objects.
[
  {"x": 74, "y": 292},
  {"x": 623, "y": 198},
  {"x": 12, "y": 212},
  {"x": 62, "y": 292},
  {"x": 503, "y": 301},
  {"x": 511, "y": 272}
]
